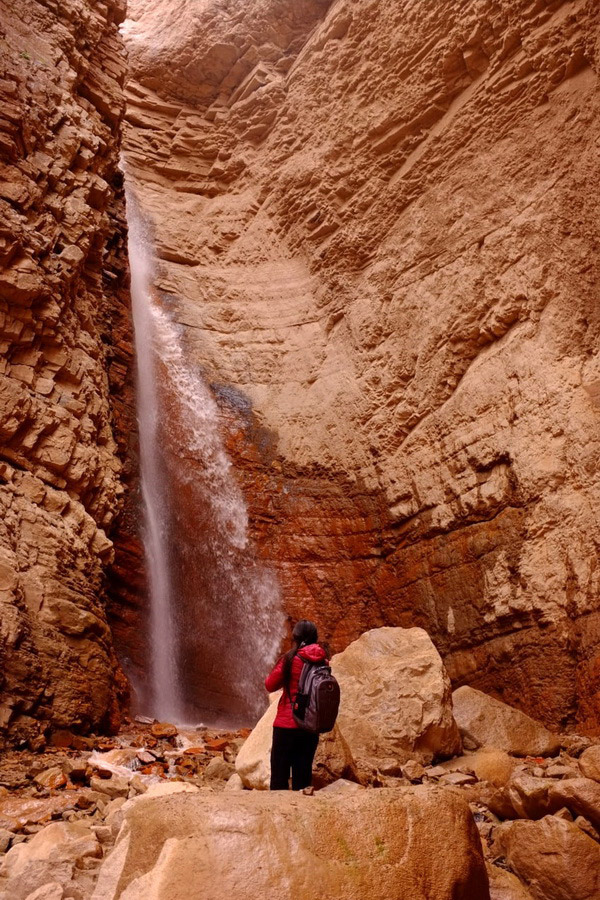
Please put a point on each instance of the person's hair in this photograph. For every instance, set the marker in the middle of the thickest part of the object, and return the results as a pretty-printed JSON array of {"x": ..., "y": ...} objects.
[{"x": 304, "y": 633}]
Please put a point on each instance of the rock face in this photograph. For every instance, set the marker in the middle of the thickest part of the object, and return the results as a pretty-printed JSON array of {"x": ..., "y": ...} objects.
[
  {"x": 376, "y": 226},
  {"x": 66, "y": 351},
  {"x": 395, "y": 705},
  {"x": 483, "y": 720},
  {"x": 338, "y": 846}
]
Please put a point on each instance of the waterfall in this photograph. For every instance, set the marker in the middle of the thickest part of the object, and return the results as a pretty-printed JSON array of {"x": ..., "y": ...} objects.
[{"x": 215, "y": 613}]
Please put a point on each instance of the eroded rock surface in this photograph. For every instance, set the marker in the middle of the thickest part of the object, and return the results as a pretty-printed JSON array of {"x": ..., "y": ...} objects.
[
  {"x": 377, "y": 227},
  {"x": 66, "y": 352},
  {"x": 271, "y": 845}
]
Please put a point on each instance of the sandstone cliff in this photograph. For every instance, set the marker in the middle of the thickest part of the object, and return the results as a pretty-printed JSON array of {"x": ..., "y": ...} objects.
[
  {"x": 377, "y": 224},
  {"x": 66, "y": 349}
]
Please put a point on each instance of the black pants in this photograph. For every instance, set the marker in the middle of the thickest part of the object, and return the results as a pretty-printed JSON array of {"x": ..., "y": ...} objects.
[{"x": 293, "y": 749}]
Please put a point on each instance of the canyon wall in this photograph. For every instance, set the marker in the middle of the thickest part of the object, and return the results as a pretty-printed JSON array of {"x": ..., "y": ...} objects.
[
  {"x": 65, "y": 387},
  {"x": 377, "y": 226}
]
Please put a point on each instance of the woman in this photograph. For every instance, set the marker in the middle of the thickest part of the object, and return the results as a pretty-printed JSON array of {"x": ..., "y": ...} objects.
[{"x": 293, "y": 748}]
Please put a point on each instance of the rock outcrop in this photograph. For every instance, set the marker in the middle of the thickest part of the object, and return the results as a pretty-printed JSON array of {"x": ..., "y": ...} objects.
[
  {"x": 377, "y": 227},
  {"x": 65, "y": 386},
  {"x": 277, "y": 845}
]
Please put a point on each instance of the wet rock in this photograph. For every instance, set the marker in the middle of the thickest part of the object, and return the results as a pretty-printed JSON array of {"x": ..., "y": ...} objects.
[
  {"x": 323, "y": 846},
  {"x": 589, "y": 763},
  {"x": 216, "y": 745},
  {"x": 17, "y": 812},
  {"x": 53, "y": 778},
  {"x": 552, "y": 857},
  {"x": 76, "y": 769},
  {"x": 482, "y": 720},
  {"x": 164, "y": 730},
  {"x": 115, "y": 786}
]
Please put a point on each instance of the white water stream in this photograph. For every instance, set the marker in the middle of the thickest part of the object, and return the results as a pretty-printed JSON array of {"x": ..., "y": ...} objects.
[{"x": 215, "y": 614}]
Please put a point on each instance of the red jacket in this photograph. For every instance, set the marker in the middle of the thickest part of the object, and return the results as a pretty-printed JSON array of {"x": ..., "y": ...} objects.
[{"x": 274, "y": 681}]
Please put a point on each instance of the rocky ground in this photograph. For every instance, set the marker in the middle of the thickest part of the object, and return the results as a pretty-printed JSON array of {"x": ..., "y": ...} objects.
[{"x": 533, "y": 796}]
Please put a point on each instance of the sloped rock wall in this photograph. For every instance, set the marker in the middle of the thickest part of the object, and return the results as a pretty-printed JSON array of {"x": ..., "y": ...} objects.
[
  {"x": 66, "y": 349},
  {"x": 377, "y": 225}
]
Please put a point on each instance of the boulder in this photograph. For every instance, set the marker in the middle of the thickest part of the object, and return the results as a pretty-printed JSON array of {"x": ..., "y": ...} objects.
[
  {"x": 505, "y": 886},
  {"x": 218, "y": 769},
  {"x": 580, "y": 795},
  {"x": 50, "y": 856},
  {"x": 532, "y": 798},
  {"x": 395, "y": 699},
  {"x": 282, "y": 845},
  {"x": 589, "y": 762},
  {"x": 484, "y": 720},
  {"x": 116, "y": 786},
  {"x": 552, "y": 857},
  {"x": 253, "y": 762}
]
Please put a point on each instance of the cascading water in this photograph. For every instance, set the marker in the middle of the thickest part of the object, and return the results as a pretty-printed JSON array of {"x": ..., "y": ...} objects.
[{"x": 215, "y": 614}]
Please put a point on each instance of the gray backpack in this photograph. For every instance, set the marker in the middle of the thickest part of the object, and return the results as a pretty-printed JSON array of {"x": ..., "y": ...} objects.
[{"x": 317, "y": 702}]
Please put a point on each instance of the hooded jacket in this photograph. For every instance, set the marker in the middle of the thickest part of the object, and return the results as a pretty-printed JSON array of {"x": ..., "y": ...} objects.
[{"x": 273, "y": 682}]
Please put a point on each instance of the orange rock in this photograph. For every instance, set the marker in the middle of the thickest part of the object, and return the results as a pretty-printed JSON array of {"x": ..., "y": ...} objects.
[
  {"x": 164, "y": 730},
  {"x": 216, "y": 745}
]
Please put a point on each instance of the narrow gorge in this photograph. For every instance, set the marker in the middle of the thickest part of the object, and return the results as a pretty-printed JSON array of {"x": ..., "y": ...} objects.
[{"x": 299, "y": 319}]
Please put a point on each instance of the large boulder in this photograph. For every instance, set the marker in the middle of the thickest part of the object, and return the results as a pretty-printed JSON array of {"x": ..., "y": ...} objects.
[
  {"x": 396, "y": 699},
  {"x": 552, "y": 857},
  {"x": 253, "y": 762},
  {"x": 484, "y": 720},
  {"x": 341, "y": 846},
  {"x": 395, "y": 705}
]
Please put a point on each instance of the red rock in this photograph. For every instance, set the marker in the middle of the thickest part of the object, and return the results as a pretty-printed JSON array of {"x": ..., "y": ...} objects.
[
  {"x": 216, "y": 745},
  {"x": 164, "y": 730}
]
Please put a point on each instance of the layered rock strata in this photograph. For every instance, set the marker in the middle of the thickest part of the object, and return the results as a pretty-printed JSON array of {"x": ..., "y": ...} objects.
[
  {"x": 66, "y": 351},
  {"x": 377, "y": 227}
]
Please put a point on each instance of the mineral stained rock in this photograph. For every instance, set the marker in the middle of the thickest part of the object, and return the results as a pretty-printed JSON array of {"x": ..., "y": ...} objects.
[
  {"x": 377, "y": 227},
  {"x": 66, "y": 350}
]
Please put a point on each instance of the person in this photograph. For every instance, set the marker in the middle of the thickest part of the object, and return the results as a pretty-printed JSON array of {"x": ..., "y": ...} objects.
[{"x": 293, "y": 749}]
